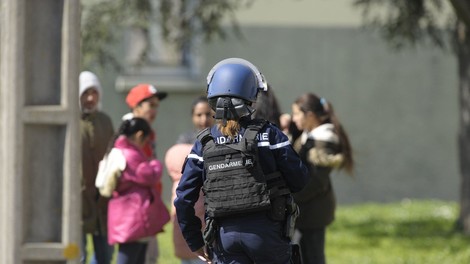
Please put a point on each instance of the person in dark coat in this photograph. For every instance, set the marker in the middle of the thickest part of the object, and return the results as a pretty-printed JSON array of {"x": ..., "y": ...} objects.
[
  {"x": 323, "y": 146},
  {"x": 96, "y": 131}
]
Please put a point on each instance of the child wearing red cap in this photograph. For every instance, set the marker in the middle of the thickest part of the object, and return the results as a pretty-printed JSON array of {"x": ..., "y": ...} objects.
[{"x": 144, "y": 100}]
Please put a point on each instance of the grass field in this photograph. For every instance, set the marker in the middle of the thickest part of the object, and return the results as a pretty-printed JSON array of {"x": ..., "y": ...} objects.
[
  {"x": 400, "y": 233},
  {"x": 409, "y": 232}
]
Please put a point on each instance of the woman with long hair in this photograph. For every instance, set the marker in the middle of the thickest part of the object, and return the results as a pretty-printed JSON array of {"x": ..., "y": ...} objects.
[{"x": 323, "y": 146}]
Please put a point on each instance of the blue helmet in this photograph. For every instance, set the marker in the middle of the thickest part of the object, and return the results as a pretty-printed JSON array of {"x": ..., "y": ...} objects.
[
  {"x": 232, "y": 86},
  {"x": 235, "y": 77}
]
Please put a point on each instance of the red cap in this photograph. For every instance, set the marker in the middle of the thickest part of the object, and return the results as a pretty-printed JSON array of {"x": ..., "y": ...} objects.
[{"x": 141, "y": 92}]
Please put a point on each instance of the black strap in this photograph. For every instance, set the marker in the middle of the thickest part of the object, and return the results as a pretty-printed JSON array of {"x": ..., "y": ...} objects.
[
  {"x": 276, "y": 184},
  {"x": 205, "y": 136}
]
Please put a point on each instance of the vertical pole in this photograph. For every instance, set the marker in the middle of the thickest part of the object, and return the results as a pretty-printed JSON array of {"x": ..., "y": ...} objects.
[
  {"x": 71, "y": 234},
  {"x": 11, "y": 98}
]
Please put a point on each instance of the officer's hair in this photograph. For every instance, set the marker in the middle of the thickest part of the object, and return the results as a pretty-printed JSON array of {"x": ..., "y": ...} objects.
[{"x": 230, "y": 129}]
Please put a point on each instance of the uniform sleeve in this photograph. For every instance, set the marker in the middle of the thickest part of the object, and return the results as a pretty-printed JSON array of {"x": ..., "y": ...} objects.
[
  {"x": 289, "y": 164},
  {"x": 187, "y": 194}
]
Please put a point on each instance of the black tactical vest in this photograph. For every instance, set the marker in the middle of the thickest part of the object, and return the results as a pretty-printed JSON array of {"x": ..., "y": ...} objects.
[{"x": 235, "y": 182}]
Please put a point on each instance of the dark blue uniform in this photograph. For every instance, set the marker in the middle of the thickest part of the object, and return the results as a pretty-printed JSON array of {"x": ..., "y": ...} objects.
[{"x": 246, "y": 238}]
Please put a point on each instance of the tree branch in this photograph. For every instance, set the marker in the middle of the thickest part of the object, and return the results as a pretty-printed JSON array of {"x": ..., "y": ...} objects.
[{"x": 462, "y": 9}]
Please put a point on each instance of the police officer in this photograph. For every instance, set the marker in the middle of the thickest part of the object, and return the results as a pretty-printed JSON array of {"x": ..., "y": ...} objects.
[{"x": 244, "y": 168}]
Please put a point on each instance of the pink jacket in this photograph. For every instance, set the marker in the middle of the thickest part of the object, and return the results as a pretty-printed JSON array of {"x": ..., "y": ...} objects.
[
  {"x": 136, "y": 210},
  {"x": 174, "y": 159}
]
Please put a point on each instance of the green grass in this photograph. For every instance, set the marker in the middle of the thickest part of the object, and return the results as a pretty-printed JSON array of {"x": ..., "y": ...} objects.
[
  {"x": 165, "y": 245},
  {"x": 408, "y": 232},
  {"x": 399, "y": 233}
]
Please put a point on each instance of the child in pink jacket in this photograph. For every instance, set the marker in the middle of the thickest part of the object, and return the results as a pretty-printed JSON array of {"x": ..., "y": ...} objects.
[{"x": 135, "y": 212}]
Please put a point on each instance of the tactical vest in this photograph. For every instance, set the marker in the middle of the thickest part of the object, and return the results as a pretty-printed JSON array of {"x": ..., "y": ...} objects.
[{"x": 235, "y": 182}]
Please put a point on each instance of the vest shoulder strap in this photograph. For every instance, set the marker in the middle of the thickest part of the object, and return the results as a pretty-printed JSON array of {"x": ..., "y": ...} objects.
[
  {"x": 205, "y": 136},
  {"x": 253, "y": 128},
  {"x": 248, "y": 142}
]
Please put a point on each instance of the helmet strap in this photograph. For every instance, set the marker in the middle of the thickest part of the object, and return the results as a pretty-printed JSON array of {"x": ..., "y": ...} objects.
[{"x": 227, "y": 108}]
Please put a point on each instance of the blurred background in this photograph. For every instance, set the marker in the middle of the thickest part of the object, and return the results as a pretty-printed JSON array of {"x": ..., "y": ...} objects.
[
  {"x": 400, "y": 107},
  {"x": 397, "y": 73}
]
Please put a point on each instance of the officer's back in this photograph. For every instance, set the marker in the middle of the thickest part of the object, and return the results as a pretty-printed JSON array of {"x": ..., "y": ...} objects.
[{"x": 247, "y": 170}]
